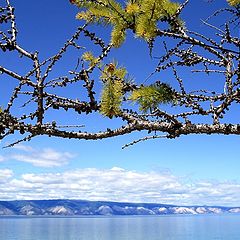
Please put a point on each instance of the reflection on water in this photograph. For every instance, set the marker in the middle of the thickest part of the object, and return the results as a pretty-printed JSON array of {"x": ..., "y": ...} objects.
[{"x": 203, "y": 227}]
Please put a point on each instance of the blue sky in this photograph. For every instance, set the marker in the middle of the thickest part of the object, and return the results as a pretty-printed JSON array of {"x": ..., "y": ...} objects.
[{"x": 188, "y": 170}]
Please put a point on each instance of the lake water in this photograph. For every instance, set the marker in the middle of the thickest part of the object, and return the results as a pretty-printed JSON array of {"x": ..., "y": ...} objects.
[{"x": 200, "y": 227}]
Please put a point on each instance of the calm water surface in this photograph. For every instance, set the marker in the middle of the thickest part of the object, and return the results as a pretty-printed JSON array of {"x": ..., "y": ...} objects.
[{"x": 201, "y": 227}]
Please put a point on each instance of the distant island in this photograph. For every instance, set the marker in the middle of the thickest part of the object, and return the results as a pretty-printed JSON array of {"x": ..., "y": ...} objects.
[{"x": 83, "y": 208}]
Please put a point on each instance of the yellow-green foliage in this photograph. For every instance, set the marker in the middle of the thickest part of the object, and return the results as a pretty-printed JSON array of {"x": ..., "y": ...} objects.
[
  {"x": 101, "y": 11},
  {"x": 104, "y": 12},
  {"x": 233, "y": 2},
  {"x": 151, "y": 11},
  {"x": 112, "y": 70},
  {"x": 118, "y": 35},
  {"x": 149, "y": 97},
  {"x": 112, "y": 94},
  {"x": 88, "y": 56},
  {"x": 132, "y": 8},
  {"x": 141, "y": 16},
  {"x": 111, "y": 98}
]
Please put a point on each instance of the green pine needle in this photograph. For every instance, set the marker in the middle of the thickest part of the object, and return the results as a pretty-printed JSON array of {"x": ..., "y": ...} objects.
[
  {"x": 88, "y": 57},
  {"x": 233, "y": 3},
  {"x": 141, "y": 16},
  {"x": 112, "y": 94},
  {"x": 150, "y": 97},
  {"x": 111, "y": 99}
]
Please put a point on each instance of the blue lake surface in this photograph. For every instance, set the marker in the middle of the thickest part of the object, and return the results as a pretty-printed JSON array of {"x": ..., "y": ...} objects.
[{"x": 198, "y": 227}]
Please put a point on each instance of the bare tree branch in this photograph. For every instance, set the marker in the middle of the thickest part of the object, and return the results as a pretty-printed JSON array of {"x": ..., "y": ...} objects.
[{"x": 192, "y": 111}]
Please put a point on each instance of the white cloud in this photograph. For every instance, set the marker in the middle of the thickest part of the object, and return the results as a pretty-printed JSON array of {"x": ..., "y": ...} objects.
[
  {"x": 46, "y": 157},
  {"x": 5, "y": 174},
  {"x": 118, "y": 184},
  {"x": 23, "y": 147}
]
